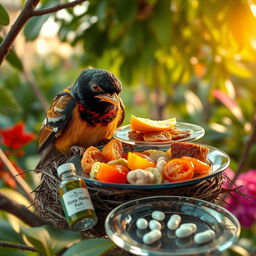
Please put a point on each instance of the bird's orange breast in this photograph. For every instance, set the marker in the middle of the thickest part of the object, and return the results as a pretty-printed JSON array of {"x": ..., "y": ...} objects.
[{"x": 78, "y": 132}]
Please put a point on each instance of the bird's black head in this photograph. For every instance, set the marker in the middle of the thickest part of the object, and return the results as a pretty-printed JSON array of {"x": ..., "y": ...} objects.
[{"x": 97, "y": 90}]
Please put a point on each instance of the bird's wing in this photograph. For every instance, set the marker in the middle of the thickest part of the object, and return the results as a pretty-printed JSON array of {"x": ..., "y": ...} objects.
[
  {"x": 122, "y": 109},
  {"x": 56, "y": 119}
]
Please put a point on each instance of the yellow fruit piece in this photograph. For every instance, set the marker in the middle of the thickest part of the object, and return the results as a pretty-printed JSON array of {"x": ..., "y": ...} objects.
[
  {"x": 138, "y": 161},
  {"x": 147, "y": 125}
]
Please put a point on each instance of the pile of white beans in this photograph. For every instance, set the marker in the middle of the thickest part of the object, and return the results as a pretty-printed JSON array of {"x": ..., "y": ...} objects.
[{"x": 174, "y": 223}]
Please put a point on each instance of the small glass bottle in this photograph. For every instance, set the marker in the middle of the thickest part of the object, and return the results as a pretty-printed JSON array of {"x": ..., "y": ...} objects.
[{"x": 75, "y": 199}]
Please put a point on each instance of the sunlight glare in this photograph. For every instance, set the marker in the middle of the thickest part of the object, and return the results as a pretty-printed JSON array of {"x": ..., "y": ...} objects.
[
  {"x": 49, "y": 28},
  {"x": 253, "y": 9}
]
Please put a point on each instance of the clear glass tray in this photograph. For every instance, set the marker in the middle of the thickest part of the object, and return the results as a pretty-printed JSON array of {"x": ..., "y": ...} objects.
[
  {"x": 197, "y": 132},
  {"x": 120, "y": 226},
  {"x": 218, "y": 159}
]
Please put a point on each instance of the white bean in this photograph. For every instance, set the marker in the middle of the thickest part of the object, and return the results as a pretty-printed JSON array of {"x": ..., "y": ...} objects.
[
  {"x": 204, "y": 237},
  {"x": 140, "y": 177},
  {"x": 161, "y": 161},
  {"x": 141, "y": 223},
  {"x": 158, "y": 215},
  {"x": 183, "y": 232},
  {"x": 154, "y": 224},
  {"x": 191, "y": 225},
  {"x": 174, "y": 222},
  {"x": 152, "y": 236}
]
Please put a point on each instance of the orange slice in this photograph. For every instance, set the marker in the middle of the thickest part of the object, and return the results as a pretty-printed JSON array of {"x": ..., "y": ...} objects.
[{"x": 148, "y": 125}]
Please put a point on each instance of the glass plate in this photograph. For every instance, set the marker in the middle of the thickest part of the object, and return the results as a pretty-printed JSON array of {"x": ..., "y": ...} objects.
[
  {"x": 120, "y": 226},
  {"x": 219, "y": 162},
  {"x": 197, "y": 133}
]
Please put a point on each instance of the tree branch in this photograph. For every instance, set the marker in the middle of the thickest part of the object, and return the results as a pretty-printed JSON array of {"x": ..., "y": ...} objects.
[
  {"x": 20, "y": 181},
  {"x": 20, "y": 211},
  {"x": 28, "y": 12},
  {"x": 17, "y": 246},
  {"x": 57, "y": 8},
  {"x": 17, "y": 26}
]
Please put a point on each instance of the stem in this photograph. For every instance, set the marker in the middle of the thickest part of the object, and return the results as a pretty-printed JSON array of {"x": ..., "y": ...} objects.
[
  {"x": 17, "y": 246},
  {"x": 57, "y": 8},
  {"x": 20, "y": 181}
]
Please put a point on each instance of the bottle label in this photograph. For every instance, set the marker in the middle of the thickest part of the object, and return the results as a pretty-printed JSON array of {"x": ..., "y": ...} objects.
[{"x": 77, "y": 200}]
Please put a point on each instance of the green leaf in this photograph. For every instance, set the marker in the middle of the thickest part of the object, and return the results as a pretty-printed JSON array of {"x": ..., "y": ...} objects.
[
  {"x": 49, "y": 240},
  {"x": 62, "y": 239},
  {"x": 8, "y": 234},
  {"x": 126, "y": 10},
  {"x": 8, "y": 102},
  {"x": 95, "y": 247},
  {"x": 34, "y": 25},
  {"x": 13, "y": 59},
  {"x": 4, "y": 17},
  {"x": 39, "y": 238}
]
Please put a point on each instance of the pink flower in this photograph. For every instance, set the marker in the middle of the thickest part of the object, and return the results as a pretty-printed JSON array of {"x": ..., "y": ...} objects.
[{"x": 243, "y": 205}]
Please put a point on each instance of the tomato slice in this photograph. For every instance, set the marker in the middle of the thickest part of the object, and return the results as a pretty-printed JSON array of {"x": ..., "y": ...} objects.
[
  {"x": 178, "y": 169},
  {"x": 113, "y": 150},
  {"x": 200, "y": 167},
  {"x": 112, "y": 173},
  {"x": 91, "y": 155},
  {"x": 137, "y": 160}
]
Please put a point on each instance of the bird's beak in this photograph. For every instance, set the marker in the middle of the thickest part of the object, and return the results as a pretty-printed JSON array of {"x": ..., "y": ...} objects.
[{"x": 113, "y": 99}]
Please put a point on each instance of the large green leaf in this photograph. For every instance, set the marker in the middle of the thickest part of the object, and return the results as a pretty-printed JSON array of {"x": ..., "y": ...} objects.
[
  {"x": 95, "y": 247},
  {"x": 39, "y": 238},
  {"x": 4, "y": 17},
  {"x": 8, "y": 101},
  {"x": 49, "y": 240},
  {"x": 34, "y": 25}
]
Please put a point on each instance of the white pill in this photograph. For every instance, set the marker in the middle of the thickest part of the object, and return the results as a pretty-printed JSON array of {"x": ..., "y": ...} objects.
[
  {"x": 152, "y": 236},
  {"x": 174, "y": 222},
  {"x": 154, "y": 224},
  {"x": 158, "y": 215},
  {"x": 184, "y": 232},
  {"x": 204, "y": 237},
  {"x": 141, "y": 223},
  {"x": 191, "y": 225}
]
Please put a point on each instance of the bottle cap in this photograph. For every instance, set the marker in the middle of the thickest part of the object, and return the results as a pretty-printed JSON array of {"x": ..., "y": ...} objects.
[{"x": 65, "y": 167}]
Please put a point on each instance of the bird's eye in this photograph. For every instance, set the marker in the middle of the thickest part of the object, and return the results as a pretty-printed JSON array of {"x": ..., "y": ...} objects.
[{"x": 96, "y": 87}]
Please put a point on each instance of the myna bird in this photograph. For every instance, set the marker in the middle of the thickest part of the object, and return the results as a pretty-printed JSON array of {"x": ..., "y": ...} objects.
[{"x": 84, "y": 114}]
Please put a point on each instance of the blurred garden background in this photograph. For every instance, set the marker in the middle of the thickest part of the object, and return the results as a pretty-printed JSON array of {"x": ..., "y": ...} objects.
[{"x": 190, "y": 59}]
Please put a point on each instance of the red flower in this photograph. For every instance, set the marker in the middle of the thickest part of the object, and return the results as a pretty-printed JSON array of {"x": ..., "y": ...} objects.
[{"x": 15, "y": 137}]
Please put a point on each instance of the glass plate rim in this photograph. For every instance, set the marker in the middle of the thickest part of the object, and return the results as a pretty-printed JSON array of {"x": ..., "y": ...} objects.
[
  {"x": 168, "y": 185},
  {"x": 115, "y": 238}
]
